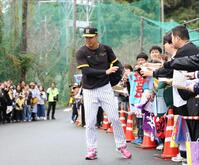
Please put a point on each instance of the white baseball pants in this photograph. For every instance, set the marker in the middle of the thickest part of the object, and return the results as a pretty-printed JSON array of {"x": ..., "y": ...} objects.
[{"x": 104, "y": 97}]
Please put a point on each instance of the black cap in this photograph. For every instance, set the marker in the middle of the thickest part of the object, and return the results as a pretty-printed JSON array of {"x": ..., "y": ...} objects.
[{"x": 90, "y": 32}]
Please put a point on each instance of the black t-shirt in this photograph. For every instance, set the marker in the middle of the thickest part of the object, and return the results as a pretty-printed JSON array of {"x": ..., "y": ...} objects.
[{"x": 99, "y": 61}]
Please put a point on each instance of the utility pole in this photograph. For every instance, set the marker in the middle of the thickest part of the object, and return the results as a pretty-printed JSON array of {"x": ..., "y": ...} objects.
[
  {"x": 141, "y": 34},
  {"x": 162, "y": 21},
  {"x": 87, "y": 12},
  {"x": 74, "y": 20}
]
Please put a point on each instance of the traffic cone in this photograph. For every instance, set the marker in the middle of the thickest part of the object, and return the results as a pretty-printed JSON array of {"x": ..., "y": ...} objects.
[
  {"x": 169, "y": 152},
  {"x": 123, "y": 120},
  {"x": 110, "y": 128},
  {"x": 147, "y": 142},
  {"x": 129, "y": 129},
  {"x": 148, "y": 139},
  {"x": 105, "y": 124}
]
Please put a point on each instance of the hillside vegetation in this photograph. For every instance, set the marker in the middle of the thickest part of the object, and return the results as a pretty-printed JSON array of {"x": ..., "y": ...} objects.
[{"x": 178, "y": 10}]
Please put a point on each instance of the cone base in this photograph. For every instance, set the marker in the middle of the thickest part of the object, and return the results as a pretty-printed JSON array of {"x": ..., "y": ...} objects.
[
  {"x": 169, "y": 152},
  {"x": 130, "y": 138},
  {"x": 167, "y": 156},
  {"x": 160, "y": 156},
  {"x": 147, "y": 147},
  {"x": 148, "y": 144}
]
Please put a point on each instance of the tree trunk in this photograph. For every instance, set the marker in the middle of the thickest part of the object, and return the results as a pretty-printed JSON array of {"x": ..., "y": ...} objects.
[
  {"x": 23, "y": 74},
  {"x": 73, "y": 59},
  {"x": 24, "y": 35},
  {"x": 24, "y": 27}
]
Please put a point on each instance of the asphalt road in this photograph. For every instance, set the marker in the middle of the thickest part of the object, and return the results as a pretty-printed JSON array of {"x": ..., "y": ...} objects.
[{"x": 58, "y": 142}]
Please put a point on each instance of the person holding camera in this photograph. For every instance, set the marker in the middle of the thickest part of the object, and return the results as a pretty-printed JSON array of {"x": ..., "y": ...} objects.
[
  {"x": 52, "y": 98},
  {"x": 138, "y": 85}
]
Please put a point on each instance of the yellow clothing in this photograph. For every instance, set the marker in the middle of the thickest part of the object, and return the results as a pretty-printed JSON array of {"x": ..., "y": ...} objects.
[
  {"x": 10, "y": 93},
  {"x": 20, "y": 104},
  {"x": 71, "y": 100},
  {"x": 52, "y": 93}
]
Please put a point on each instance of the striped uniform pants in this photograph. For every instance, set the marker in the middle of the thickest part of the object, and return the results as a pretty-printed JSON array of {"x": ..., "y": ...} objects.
[{"x": 104, "y": 97}]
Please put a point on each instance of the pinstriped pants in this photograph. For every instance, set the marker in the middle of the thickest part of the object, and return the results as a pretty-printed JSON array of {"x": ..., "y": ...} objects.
[{"x": 104, "y": 97}]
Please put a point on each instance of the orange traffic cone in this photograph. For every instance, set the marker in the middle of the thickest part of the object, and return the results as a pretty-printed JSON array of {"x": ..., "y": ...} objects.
[
  {"x": 129, "y": 129},
  {"x": 105, "y": 124},
  {"x": 110, "y": 128},
  {"x": 148, "y": 143},
  {"x": 169, "y": 152},
  {"x": 123, "y": 120}
]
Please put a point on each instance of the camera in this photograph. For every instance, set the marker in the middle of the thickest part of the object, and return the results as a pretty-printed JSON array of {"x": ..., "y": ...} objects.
[
  {"x": 55, "y": 98},
  {"x": 139, "y": 71}
]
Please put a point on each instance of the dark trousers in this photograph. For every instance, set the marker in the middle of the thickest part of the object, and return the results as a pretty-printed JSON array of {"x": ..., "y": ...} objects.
[
  {"x": 182, "y": 110},
  {"x": 193, "y": 125},
  {"x": 8, "y": 117},
  {"x": 140, "y": 129},
  {"x": 13, "y": 118},
  {"x": 75, "y": 112},
  {"x": 51, "y": 105},
  {"x": 19, "y": 115},
  {"x": 3, "y": 114},
  {"x": 33, "y": 116}
]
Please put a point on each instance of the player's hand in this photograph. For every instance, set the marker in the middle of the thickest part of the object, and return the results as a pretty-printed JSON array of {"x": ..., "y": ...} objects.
[{"x": 112, "y": 70}]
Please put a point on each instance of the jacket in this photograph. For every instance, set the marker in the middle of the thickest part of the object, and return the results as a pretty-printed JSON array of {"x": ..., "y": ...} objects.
[{"x": 189, "y": 63}]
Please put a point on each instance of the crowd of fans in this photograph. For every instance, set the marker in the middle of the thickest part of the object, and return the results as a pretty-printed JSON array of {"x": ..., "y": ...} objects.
[
  {"x": 153, "y": 85},
  {"x": 26, "y": 102}
]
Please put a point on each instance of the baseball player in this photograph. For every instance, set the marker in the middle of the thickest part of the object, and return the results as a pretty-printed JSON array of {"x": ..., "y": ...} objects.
[{"x": 94, "y": 60}]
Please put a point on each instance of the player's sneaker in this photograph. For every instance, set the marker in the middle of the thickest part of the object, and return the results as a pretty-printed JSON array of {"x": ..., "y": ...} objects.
[
  {"x": 124, "y": 152},
  {"x": 91, "y": 154}
]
